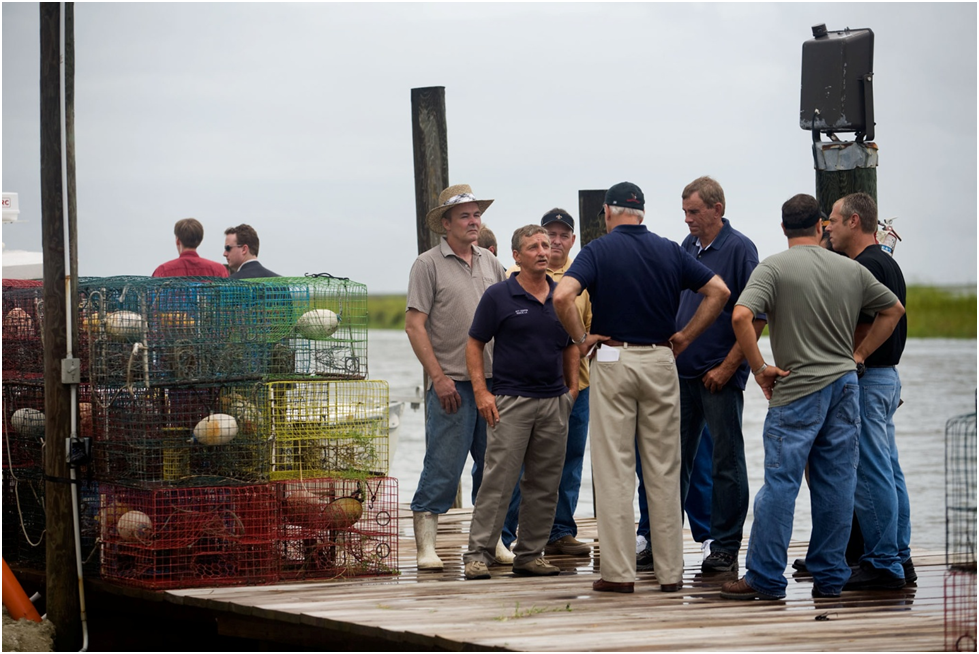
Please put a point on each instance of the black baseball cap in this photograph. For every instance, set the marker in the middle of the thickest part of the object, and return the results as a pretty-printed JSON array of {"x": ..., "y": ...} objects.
[
  {"x": 625, "y": 194},
  {"x": 557, "y": 216}
]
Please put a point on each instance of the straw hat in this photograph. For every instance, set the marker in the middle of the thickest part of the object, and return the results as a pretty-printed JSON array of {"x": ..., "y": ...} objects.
[{"x": 457, "y": 194}]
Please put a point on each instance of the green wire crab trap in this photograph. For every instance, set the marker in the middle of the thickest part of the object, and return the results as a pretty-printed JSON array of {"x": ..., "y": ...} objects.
[
  {"x": 146, "y": 331},
  {"x": 329, "y": 429},
  {"x": 324, "y": 336}
]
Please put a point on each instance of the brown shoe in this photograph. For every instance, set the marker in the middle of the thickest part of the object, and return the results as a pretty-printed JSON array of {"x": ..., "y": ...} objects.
[
  {"x": 568, "y": 545},
  {"x": 740, "y": 590},
  {"x": 536, "y": 568},
  {"x": 614, "y": 586},
  {"x": 670, "y": 588}
]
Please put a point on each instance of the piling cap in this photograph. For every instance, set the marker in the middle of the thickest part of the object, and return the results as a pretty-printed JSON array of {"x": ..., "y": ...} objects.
[{"x": 625, "y": 194}]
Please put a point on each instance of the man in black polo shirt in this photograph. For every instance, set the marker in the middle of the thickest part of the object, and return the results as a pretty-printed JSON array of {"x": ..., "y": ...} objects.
[
  {"x": 881, "y": 499},
  {"x": 534, "y": 366}
]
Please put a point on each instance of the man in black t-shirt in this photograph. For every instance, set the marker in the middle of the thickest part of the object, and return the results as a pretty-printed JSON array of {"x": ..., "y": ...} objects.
[{"x": 881, "y": 501}]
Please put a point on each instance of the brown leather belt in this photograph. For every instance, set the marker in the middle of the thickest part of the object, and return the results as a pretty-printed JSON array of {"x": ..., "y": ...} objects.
[{"x": 615, "y": 343}]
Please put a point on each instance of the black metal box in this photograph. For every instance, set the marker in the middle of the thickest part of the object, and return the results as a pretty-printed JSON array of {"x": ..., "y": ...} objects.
[{"x": 837, "y": 73}]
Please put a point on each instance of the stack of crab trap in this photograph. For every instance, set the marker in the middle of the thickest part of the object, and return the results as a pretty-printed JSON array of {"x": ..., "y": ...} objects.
[{"x": 236, "y": 439}]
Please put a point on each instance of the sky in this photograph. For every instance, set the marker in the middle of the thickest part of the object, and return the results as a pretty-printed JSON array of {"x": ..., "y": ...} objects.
[{"x": 296, "y": 119}]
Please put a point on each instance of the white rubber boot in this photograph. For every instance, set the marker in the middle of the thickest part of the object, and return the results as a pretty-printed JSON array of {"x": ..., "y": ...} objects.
[
  {"x": 426, "y": 529},
  {"x": 503, "y": 555}
]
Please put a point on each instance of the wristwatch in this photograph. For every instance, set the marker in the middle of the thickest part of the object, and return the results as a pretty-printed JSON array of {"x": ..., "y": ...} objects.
[
  {"x": 861, "y": 369},
  {"x": 760, "y": 370},
  {"x": 581, "y": 340}
]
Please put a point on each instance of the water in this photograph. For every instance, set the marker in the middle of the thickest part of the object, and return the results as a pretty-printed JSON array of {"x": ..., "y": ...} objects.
[{"x": 939, "y": 382}]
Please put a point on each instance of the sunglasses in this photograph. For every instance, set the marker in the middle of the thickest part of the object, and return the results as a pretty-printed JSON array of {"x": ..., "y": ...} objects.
[{"x": 227, "y": 248}]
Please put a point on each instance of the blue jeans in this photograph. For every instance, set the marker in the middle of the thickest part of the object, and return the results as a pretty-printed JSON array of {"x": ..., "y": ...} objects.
[
  {"x": 881, "y": 500},
  {"x": 823, "y": 428},
  {"x": 567, "y": 499},
  {"x": 721, "y": 413},
  {"x": 697, "y": 506},
  {"x": 449, "y": 438}
]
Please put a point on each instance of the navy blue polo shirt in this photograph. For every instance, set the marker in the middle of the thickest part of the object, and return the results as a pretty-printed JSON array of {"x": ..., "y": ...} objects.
[
  {"x": 528, "y": 353},
  {"x": 733, "y": 256},
  {"x": 634, "y": 278}
]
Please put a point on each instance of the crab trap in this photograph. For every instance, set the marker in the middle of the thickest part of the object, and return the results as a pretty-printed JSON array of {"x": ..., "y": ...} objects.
[
  {"x": 146, "y": 331},
  {"x": 202, "y": 435},
  {"x": 960, "y": 611},
  {"x": 325, "y": 335},
  {"x": 23, "y": 349},
  {"x": 24, "y": 425},
  {"x": 329, "y": 429},
  {"x": 24, "y": 522},
  {"x": 960, "y": 494},
  {"x": 187, "y": 537},
  {"x": 336, "y": 528}
]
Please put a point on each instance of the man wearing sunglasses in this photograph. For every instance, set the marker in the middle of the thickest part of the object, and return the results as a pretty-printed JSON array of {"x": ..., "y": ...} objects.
[{"x": 241, "y": 251}]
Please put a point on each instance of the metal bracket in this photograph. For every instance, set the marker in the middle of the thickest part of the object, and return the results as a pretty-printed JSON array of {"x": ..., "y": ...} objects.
[{"x": 71, "y": 371}]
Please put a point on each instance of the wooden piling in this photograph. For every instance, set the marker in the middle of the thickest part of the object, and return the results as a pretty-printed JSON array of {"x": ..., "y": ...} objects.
[
  {"x": 62, "y": 585},
  {"x": 431, "y": 149},
  {"x": 590, "y": 226},
  {"x": 843, "y": 168}
]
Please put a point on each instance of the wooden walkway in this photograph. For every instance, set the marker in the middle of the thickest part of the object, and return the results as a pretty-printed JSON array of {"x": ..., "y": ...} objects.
[{"x": 444, "y": 611}]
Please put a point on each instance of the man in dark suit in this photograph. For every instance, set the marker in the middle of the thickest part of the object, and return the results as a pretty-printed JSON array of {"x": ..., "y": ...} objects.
[{"x": 241, "y": 251}]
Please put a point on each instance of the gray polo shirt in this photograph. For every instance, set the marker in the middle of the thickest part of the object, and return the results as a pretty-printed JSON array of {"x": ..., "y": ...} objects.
[
  {"x": 444, "y": 287},
  {"x": 813, "y": 298}
]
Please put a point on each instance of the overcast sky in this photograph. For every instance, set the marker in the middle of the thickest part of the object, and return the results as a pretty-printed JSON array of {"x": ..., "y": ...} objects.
[{"x": 296, "y": 119}]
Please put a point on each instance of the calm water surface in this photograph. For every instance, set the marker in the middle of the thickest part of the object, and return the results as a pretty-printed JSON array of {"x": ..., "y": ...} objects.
[{"x": 939, "y": 382}]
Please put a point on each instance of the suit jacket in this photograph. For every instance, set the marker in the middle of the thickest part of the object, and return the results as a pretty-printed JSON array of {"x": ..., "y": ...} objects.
[{"x": 252, "y": 269}]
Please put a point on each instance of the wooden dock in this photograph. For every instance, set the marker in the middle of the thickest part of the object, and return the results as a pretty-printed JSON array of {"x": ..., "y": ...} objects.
[{"x": 425, "y": 610}]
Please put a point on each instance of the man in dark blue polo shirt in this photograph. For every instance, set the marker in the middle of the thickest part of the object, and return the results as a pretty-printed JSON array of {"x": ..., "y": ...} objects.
[
  {"x": 535, "y": 384},
  {"x": 635, "y": 278}
]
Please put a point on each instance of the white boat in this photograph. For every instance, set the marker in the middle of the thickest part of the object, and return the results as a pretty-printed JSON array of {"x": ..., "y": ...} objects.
[
  {"x": 395, "y": 410},
  {"x": 18, "y": 264}
]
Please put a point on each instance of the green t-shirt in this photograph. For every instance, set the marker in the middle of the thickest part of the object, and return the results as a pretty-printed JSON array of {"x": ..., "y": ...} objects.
[{"x": 813, "y": 298}]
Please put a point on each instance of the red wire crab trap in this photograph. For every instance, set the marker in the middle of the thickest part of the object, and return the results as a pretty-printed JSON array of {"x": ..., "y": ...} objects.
[
  {"x": 23, "y": 349},
  {"x": 146, "y": 331},
  {"x": 203, "y": 435},
  {"x": 187, "y": 537},
  {"x": 337, "y": 528}
]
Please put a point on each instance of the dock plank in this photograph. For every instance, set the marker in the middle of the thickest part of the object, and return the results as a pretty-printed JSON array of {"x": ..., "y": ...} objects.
[{"x": 443, "y": 610}]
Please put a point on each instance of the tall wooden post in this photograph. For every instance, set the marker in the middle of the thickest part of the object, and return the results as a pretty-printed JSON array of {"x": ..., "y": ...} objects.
[
  {"x": 62, "y": 584},
  {"x": 590, "y": 226},
  {"x": 842, "y": 168},
  {"x": 431, "y": 149}
]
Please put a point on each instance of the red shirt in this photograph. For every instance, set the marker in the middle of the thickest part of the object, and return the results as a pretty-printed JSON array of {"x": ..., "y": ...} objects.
[{"x": 189, "y": 264}]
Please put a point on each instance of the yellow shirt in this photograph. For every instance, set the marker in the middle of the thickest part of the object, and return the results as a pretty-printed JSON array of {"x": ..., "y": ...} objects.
[{"x": 583, "y": 302}]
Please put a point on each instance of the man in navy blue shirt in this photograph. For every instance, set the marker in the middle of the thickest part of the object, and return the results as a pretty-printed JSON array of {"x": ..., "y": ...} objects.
[
  {"x": 535, "y": 384},
  {"x": 634, "y": 278}
]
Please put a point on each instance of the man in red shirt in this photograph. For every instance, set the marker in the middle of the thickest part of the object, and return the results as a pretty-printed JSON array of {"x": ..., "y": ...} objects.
[{"x": 190, "y": 233}]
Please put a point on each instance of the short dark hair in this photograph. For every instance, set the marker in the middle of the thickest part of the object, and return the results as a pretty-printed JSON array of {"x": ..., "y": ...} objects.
[
  {"x": 189, "y": 231},
  {"x": 708, "y": 189},
  {"x": 800, "y": 213},
  {"x": 246, "y": 235},
  {"x": 524, "y": 232},
  {"x": 864, "y": 206},
  {"x": 487, "y": 238}
]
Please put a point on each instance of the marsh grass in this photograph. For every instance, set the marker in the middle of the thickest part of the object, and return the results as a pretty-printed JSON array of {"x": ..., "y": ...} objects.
[{"x": 933, "y": 312}]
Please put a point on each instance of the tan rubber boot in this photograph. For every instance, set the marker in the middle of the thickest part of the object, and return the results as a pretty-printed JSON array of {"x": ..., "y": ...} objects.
[
  {"x": 426, "y": 528},
  {"x": 503, "y": 555}
]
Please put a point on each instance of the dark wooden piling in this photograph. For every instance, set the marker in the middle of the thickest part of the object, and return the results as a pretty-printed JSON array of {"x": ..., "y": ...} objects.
[
  {"x": 431, "y": 149},
  {"x": 590, "y": 226},
  {"x": 843, "y": 168}
]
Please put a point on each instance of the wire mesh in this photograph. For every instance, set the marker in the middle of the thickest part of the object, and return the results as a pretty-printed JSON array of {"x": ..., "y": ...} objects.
[
  {"x": 326, "y": 337},
  {"x": 23, "y": 349},
  {"x": 202, "y": 435},
  {"x": 329, "y": 429},
  {"x": 960, "y": 493},
  {"x": 960, "y": 611},
  {"x": 188, "y": 537},
  {"x": 146, "y": 331},
  {"x": 336, "y": 528}
]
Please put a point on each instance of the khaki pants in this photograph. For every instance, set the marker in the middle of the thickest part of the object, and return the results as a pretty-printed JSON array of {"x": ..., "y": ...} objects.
[
  {"x": 635, "y": 402},
  {"x": 533, "y": 434}
]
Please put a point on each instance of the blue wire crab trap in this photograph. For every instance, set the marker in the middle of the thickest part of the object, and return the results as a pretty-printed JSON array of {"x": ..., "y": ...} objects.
[
  {"x": 188, "y": 436},
  {"x": 324, "y": 336},
  {"x": 146, "y": 331}
]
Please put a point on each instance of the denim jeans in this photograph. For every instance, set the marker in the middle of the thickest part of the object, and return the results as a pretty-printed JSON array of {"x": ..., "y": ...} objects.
[
  {"x": 721, "y": 413},
  {"x": 881, "y": 500},
  {"x": 697, "y": 506},
  {"x": 449, "y": 438},
  {"x": 567, "y": 499},
  {"x": 823, "y": 428}
]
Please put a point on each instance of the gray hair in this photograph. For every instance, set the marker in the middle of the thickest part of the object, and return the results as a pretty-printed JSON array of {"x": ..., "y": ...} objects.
[
  {"x": 525, "y": 232},
  {"x": 615, "y": 210}
]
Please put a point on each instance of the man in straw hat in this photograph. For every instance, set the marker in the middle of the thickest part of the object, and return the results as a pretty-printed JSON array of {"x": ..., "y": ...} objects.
[
  {"x": 444, "y": 288},
  {"x": 634, "y": 278}
]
